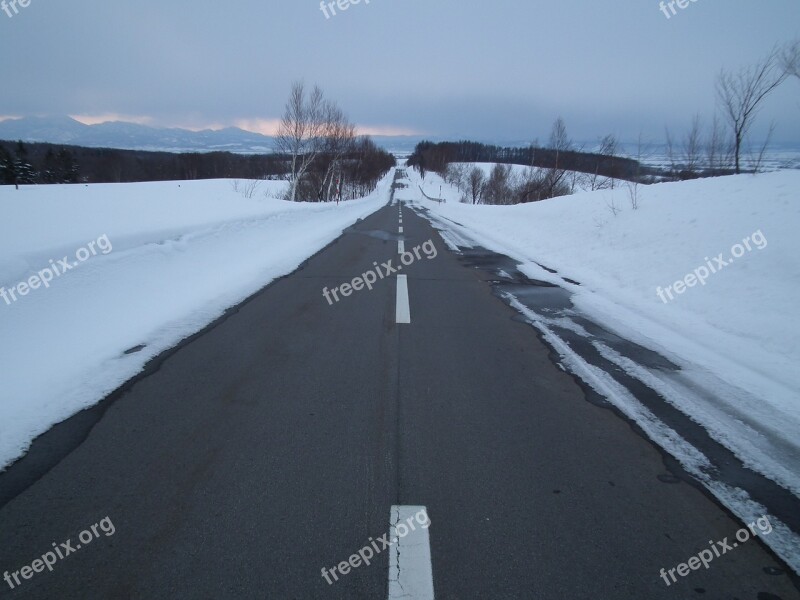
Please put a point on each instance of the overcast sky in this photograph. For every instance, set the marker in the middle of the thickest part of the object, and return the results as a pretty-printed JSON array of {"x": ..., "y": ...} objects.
[{"x": 499, "y": 69}]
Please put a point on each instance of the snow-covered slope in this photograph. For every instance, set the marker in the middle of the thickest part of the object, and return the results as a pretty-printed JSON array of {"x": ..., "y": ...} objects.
[
  {"x": 746, "y": 312},
  {"x": 739, "y": 326},
  {"x": 579, "y": 182},
  {"x": 158, "y": 261}
]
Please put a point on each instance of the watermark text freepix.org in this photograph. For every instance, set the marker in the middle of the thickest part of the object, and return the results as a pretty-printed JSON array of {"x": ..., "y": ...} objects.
[
  {"x": 704, "y": 557},
  {"x": 13, "y": 5},
  {"x": 329, "y": 8},
  {"x": 56, "y": 269},
  {"x": 366, "y": 554},
  {"x": 59, "y": 552},
  {"x": 703, "y": 272},
  {"x": 381, "y": 271},
  {"x": 669, "y": 7}
]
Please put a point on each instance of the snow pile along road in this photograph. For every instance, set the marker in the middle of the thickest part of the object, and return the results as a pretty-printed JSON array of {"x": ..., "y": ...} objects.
[
  {"x": 157, "y": 262},
  {"x": 737, "y": 233},
  {"x": 744, "y": 315}
]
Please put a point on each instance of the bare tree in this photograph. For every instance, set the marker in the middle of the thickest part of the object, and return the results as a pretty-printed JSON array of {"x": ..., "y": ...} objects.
[
  {"x": 608, "y": 148},
  {"x": 741, "y": 95},
  {"x": 790, "y": 59},
  {"x": 636, "y": 180},
  {"x": 534, "y": 185},
  {"x": 757, "y": 160},
  {"x": 611, "y": 204},
  {"x": 300, "y": 132},
  {"x": 498, "y": 189},
  {"x": 719, "y": 149},
  {"x": 560, "y": 142},
  {"x": 338, "y": 138},
  {"x": 693, "y": 148},
  {"x": 671, "y": 155},
  {"x": 456, "y": 174},
  {"x": 476, "y": 181},
  {"x": 250, "y": 188},
  {"x": 247, "y": 188}
]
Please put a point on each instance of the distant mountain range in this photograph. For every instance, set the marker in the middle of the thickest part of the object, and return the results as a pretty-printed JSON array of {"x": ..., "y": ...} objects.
[{"x": 130, "y": 136}]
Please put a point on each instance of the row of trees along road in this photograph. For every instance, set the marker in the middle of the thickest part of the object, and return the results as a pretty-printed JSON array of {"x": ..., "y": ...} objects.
[
  {"x": 326, "y": 159},
  {"x": 317, "y": 148}
]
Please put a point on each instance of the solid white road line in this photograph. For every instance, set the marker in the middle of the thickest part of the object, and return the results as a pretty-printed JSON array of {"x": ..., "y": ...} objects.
[
  {"x": 412, "y": 552},
  {"x": 401, "y": 246},
  {"x": 403, "y": 309}
]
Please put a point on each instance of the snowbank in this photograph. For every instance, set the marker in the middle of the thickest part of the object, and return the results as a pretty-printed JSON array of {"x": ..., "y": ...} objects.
[
  {"x": 740, "y": 325},
  {"x": 178, "y": 254}
]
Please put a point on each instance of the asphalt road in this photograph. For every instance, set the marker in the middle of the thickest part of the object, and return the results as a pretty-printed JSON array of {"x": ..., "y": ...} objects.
[{"x": 276, "y": 443}]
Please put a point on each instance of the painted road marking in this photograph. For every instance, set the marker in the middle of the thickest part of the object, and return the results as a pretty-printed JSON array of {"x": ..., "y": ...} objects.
[
  {"x": 413, "y": 552},
  {"x": 401, "y": 230},
  {"x": 403, "y": 309},
  {"x": 401, "y": 246}
]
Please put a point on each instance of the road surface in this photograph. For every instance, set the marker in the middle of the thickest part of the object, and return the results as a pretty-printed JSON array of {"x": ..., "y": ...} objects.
[{"x": 298, "y": 430}]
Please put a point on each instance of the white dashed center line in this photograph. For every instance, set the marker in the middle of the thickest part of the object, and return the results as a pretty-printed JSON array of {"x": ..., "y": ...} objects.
[
  {"x": 403, "y": 310},
  {"x": 401, "y": 246},
  {"x": 410, "y": 566}
]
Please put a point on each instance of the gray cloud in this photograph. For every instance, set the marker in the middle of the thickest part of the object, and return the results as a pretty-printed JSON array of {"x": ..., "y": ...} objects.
[{"x": 501, "y": 69}]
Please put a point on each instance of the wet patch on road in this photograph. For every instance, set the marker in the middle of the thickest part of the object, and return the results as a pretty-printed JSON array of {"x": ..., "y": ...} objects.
[{"x": 552, "y": 305}]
